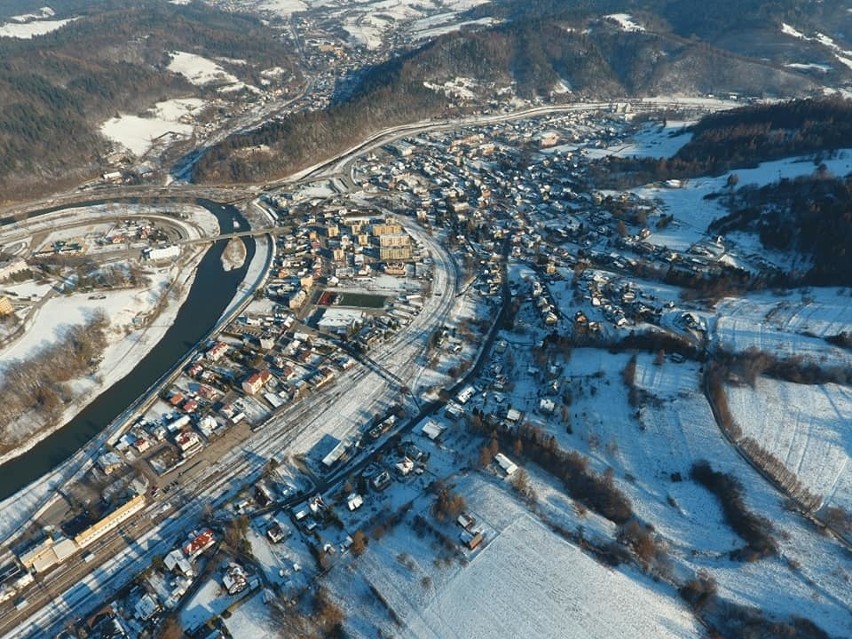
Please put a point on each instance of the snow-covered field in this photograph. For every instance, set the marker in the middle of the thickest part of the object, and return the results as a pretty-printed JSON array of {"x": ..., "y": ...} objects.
[
  {"x": 807, "y": 579},
  {"x": 33, "y": 29},
  {"x": 651, "y": 457},
  {"x": 787, "y": 327},
  {"x": 693, "y": 213},
  {"x": 200, "y": 70},
  {"x": 253, "y": 619},
  {"x": 209, "y": 600},
  {"x": 62, "y": 312},
  {"x": 138, "y": 134},
  {"x": 625, "y": 21},
  {"x": 555, "y": 591},
  {"x": 427, "y": 28},
  {"x": 657, "y": 141},
  {"x": 807, "y": 427},
  {"x": 526, "y": 582}
]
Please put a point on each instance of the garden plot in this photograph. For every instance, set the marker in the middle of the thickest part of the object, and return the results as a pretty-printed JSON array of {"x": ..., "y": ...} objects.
[
  {"x": 806, "y": 427},
  {"x": 785, "y": 327},
  {"x": 254, "y": 619}
]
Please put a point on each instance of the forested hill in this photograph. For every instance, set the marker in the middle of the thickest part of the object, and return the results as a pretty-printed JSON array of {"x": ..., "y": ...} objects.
[
  {"x": 743, "y": 138},
  {"x": 811, "y": 215},
  {"x": 56, "y": 90},
  {"x": 530, "y": 57},
  {"x": 768, "y": 131},
  {"x": 708, "y": 21}
]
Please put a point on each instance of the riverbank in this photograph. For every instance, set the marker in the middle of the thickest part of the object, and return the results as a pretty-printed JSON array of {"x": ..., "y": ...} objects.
[
  {"x": 123, "y": 352},
  {"x": 29, "y": 483}
]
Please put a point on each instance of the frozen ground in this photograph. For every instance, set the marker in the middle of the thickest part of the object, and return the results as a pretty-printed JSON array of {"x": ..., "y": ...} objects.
[
  {"x": 790, "y": 326},
  {"x": 138, "y": 134},
  {"x": 32, "y": 29},
  {"x": 807, "y": 427},
  {"x": 693, "y": 213}
]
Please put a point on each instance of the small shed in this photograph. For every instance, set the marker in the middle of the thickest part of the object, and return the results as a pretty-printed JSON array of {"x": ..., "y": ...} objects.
[{"x": 432, "y": 429}]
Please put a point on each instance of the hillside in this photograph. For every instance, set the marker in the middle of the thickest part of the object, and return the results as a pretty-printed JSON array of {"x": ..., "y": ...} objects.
[
  {"x": 710, "y": 21},
  {"x": 810, "y": 215},
  {"x": 59, "y": 88},
  {"x": 742, "y": 138},
  {"x": 530, "y": 59}
]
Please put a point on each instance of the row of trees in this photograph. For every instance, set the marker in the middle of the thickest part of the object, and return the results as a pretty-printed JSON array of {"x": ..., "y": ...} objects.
[
  {"x": 595, "y": 491},
  {"x": 717, "y": 375}
]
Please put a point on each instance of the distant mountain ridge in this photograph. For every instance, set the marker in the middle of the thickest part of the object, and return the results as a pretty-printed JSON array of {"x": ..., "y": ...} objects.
[{"x": 57, "y": 89}]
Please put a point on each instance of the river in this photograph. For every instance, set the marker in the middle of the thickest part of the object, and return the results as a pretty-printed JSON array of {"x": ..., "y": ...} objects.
[{"x": 211, "y": 292}]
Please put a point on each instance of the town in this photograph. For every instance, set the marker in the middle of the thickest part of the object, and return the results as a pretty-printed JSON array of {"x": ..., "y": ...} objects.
[
  {"x": 446, "y": 228},
  {"x": 441, "y": 319}
]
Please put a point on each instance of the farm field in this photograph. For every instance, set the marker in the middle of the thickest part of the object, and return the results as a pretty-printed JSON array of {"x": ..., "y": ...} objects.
[
  {"x": 806, "y": 427},
  {"x": 790, "y": 326},
  {"x": 557, "y": 591}
]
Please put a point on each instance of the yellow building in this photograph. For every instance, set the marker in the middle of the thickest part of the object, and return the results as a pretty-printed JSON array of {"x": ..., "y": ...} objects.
[
  {"x": 395, "y": 253},
  {"x": 110, "y": 522},
  {"x": 388, "y": 228},
  {"x": 6, "y": 307},
  {"x": 399, "y": 239}
]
